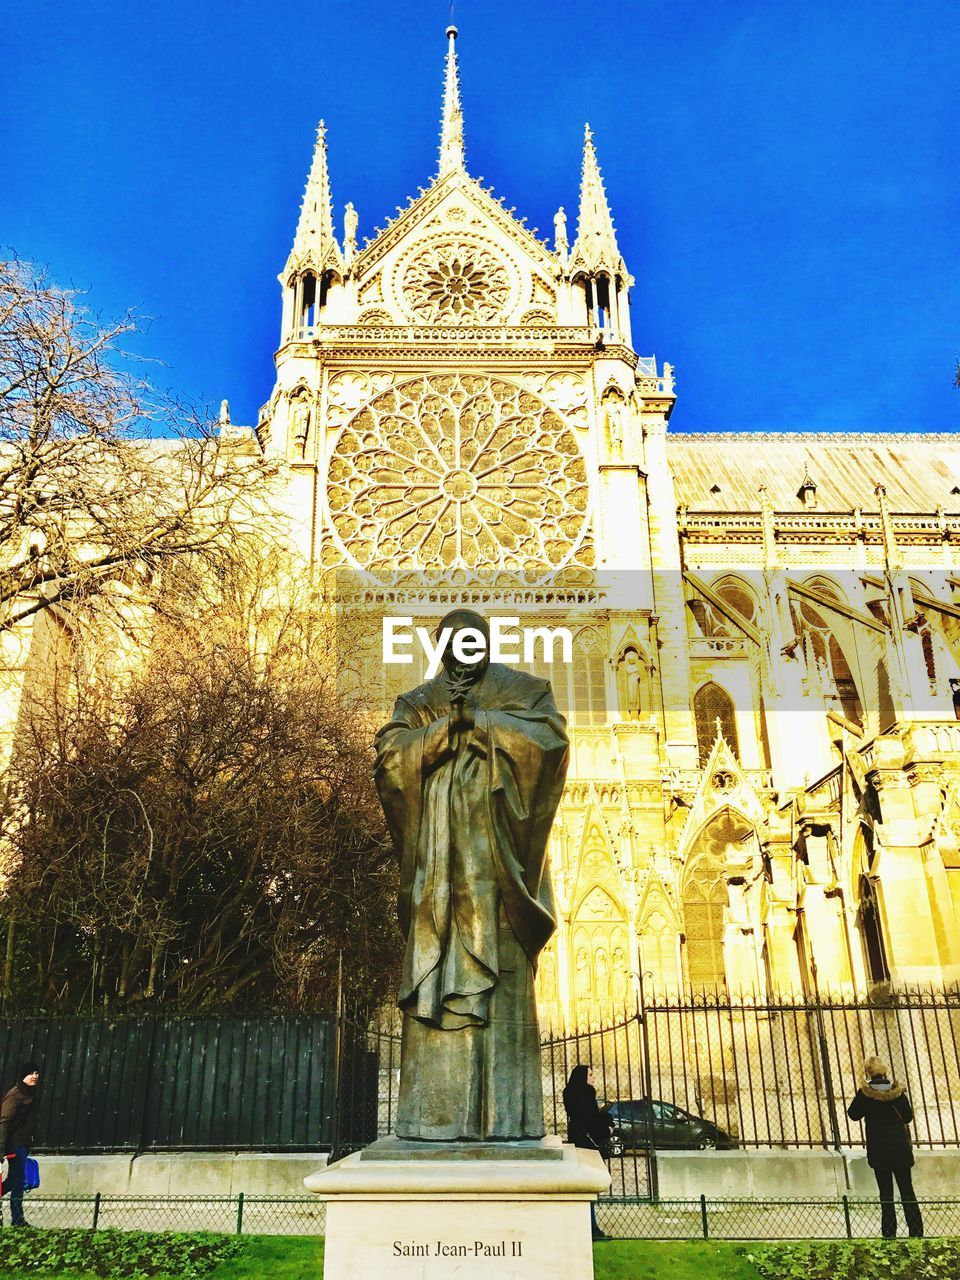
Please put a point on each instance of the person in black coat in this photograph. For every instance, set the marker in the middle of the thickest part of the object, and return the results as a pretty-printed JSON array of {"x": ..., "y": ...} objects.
[
  {"x": 16, "y": 1134},
  {"x": 587, "y": 1125},
  {"x": 885, "y": 1109}
]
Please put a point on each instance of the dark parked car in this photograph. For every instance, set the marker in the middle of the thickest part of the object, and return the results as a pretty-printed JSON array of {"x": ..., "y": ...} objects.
[{"x": 634, "y": 1125}]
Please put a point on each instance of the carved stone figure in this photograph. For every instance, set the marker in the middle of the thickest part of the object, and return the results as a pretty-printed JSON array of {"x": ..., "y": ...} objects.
[
  {"x": 469, "y": 771},
  {"x": 614, "y": 412},
  {"x": 619, "y": 977},
  {"x": 350, "y": 224},
  {"x": 560, "y": 232},
  {"x": 583, "y": 975},
  {"x": 630, "y": 684},
  {"x": 300, "y": 422},
  {"x": 601, "y": 969}
]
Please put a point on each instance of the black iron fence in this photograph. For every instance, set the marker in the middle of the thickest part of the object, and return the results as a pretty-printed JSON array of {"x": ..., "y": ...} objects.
[
  {"x": 626, "y": 1217},
  {"x": 697, "y": 1070},
  {"x": 781, "y": 1073},
  {"x": 216, "y": 1083},
  {"x": 707, "y": 1071}
]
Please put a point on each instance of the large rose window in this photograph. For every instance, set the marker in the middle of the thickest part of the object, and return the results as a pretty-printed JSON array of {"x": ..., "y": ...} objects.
[
  {"x": 455, "y": 283},
  {"x": 458, "y": 472}
]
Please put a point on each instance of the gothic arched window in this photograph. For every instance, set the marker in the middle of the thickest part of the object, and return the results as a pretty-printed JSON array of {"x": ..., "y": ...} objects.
[
  {"x": 871, "y": 933},
  {"x": 589, "y": 679},
  {"x": 710, "y": 619},
  {"x": 740, "y": 597},
  {"x": 580, "y": 686},
  {"x": 831, "y": 655},
  {"x": 704, "y": 901},
  {"x": 308, "y": 302},
  {"x": 711, "y": 704}
]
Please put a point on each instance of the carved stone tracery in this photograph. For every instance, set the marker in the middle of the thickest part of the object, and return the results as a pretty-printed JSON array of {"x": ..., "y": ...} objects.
[
  {"x": 455, "y": 282},
  {"x": 460, "y": 471}
]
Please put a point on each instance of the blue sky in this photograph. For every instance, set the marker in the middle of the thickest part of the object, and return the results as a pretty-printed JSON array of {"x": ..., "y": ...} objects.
[{"x": 784, "y": 176}]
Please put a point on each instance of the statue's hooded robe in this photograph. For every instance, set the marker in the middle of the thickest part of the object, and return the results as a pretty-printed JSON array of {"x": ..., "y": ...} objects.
[{"x": 470, "y": 814}]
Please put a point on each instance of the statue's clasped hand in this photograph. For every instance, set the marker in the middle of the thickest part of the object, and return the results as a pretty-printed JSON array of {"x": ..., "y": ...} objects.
[{"x": 461, "y": 715}]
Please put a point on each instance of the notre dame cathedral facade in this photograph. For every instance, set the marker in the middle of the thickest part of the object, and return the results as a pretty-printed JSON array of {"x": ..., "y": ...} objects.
[{"x": 765, "y": 751}]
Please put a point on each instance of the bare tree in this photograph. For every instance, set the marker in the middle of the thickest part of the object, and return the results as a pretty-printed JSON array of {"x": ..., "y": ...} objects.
[
  {"x": 101, "y": 480},
  {"x": 201, "y": 830}
]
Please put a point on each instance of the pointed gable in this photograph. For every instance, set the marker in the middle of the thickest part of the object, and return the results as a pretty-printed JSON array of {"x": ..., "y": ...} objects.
[
  {"x": 596, "y": 881},
  {"x": 724, "y": 791},
  {"x": 455, "y": 255}
]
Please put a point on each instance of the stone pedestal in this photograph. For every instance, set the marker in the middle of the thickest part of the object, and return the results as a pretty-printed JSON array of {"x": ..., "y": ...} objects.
[{"x": 415, "y": 1211}]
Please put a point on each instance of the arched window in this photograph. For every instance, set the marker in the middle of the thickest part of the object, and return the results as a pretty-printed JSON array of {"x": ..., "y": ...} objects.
[
  {"x": 597, "y": 291},
  {"x": 871, "y": 933},
  {"x": 313, "y": 292},
  {"x": 711, "y": 704},
  {"x": 589, "y": 680},
  {"x": 712, "y": 622},
  {"x": 823, "y": 630},
  {"x": 580, "y": 686},
  {"x": 557, "y": 673},
  {"x": 704, "y": 901},
  {"x": 308, "y": 301},
  {"x": 737, "y": 595}
]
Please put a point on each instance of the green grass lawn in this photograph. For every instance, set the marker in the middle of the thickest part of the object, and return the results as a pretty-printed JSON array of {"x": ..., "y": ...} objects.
[
  {"x": 301, "y": 1258},
  {"x": 671, "y": 1260},
  {"x": 296, "y": 1258},
  {"x": 276, "y": 1258}
]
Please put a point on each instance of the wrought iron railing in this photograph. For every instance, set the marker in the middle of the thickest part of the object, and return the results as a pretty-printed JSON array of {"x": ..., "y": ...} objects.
[
  {"x": 780, "y": 1073},
  {"x": 765, "y": 1073},
  {"x": 623, "y": 1217}
]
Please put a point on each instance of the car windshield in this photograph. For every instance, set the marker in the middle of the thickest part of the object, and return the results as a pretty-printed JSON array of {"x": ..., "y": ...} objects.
[{"x": 629, "y": 1111}]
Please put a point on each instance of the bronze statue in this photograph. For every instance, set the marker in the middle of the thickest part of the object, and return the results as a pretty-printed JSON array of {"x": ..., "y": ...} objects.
[{"x": 469, "y": 772}]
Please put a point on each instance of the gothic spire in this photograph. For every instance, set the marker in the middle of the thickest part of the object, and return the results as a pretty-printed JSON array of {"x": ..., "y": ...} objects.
[
  {"x": 315, "y": 244},
  {"x": 451, "y": 132},
  {"x": 596, "y": 245}
]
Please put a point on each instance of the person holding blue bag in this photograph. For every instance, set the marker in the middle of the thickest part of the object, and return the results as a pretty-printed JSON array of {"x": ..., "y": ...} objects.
[{"x": 16, "y": 1134}]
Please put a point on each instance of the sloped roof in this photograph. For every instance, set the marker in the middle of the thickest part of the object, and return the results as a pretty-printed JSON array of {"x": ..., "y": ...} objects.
[{"x": 918, "y": 471}]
